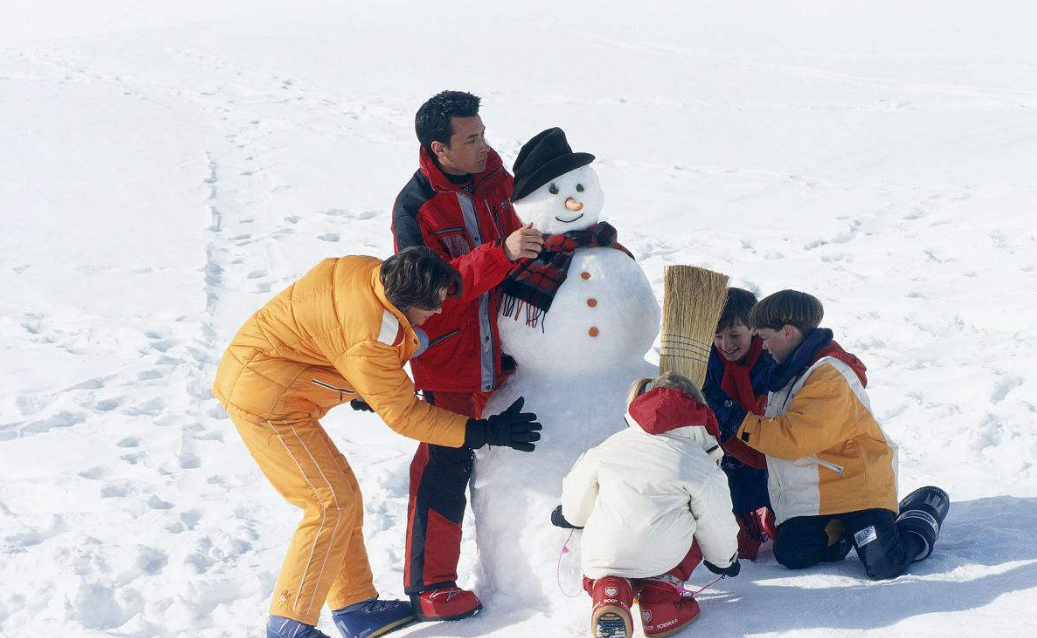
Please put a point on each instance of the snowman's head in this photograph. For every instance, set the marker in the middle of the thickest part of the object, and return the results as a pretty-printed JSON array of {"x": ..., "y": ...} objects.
[
  {"x": 555, "y": 188},
  {"x": 571, "y": 201}
]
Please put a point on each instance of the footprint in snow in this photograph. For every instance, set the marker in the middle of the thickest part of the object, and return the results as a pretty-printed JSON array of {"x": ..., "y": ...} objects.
[
  {"x": 331, "y": 237},
  {"x": 200, "y": 558},
  {"x": 152, "y": 407},
  {"x": 94, "y": 473},
  {"x": 134, "y": 458},
  {"x": 89, "y": 384},
  {"x": 189, "y": 461},
  {"x": 190, "y": 518},
  {"x": 151, "y": 560},
  {"x": 164, "y": 345},
  {"x": 1004, "y": 388},
  {"x": 57, "y": 421},
  {"x": 116, "y": 490},
  {"x": 156, "y": 503},
  {"x": 216, "y": 412},
  {"x": 107, "y": 405}
]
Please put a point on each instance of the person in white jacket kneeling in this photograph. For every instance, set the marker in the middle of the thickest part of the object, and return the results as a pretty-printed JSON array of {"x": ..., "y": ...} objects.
[{"x": 653, "y": 503}]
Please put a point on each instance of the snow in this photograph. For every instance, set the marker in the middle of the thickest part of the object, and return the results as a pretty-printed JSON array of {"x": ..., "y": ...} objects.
[{"x": 168, "y": 167}]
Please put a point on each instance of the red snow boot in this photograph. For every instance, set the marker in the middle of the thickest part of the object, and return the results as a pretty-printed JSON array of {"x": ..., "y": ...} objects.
[
  {"x": 754, "y": 529},
  {"x": 610, "y": 615},
  {"x": 445, "y": 603},
  {"x": 666, "y": 607}
]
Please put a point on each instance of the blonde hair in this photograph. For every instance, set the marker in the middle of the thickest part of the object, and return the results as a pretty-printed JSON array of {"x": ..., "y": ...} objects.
[{"x": 670, "y": 380}]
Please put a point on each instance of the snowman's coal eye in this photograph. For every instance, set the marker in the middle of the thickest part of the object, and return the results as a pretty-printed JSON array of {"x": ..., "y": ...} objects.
[
  {"x": 553, "y": 189},
  {"x": 579, "y": 188}
]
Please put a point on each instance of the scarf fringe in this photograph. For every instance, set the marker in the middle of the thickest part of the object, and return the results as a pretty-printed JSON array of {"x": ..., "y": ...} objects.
[{"x": 512, "y": 307}]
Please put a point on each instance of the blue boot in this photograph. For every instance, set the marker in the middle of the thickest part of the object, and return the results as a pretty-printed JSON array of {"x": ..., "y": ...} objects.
[
  {"x": 279, "y": 627},
  {"x": 371, "y": 618}
]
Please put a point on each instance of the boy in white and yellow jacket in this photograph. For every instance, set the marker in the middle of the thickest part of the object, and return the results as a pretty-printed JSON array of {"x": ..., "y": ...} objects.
[{"x": 832, "y": 468}]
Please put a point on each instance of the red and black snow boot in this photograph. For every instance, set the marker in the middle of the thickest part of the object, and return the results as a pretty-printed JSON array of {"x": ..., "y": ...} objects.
[
  {"x": 922, "y": 513},
  {"x": 610, "y": 615},
  {"x": 445, "y": 603}
]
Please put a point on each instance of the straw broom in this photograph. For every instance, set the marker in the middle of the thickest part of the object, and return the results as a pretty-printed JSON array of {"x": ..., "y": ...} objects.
[{"x": 693, "y": 299}]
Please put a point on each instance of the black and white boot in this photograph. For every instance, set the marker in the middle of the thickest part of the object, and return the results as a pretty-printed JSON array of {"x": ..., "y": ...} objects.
[{"x": 922, "y": 513}]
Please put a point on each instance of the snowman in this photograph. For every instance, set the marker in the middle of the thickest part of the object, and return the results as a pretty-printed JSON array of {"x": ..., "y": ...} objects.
[{"x": 578, "y": 320}]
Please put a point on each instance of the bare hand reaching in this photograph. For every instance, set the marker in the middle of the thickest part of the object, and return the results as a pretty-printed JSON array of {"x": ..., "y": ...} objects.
[{"x": 524, "y": 243}]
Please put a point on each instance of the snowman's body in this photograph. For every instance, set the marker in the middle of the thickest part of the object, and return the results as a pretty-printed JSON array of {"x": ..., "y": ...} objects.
[{"x": 574, "y": 369}]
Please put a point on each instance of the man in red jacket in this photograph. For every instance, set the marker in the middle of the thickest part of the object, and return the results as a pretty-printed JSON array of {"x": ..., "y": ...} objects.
[{"x": 457, "y": 203}]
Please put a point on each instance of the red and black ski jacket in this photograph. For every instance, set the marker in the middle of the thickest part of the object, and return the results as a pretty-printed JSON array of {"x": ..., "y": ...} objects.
[{"x": 466, "y": 224}]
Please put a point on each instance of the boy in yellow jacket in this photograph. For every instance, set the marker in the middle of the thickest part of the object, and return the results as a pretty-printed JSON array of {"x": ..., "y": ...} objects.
[
  {"x": 342, "y": 332},
  {"x": 832, "y": 470}
]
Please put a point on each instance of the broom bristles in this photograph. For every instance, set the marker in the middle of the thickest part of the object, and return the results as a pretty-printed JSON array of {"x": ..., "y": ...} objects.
[{"x": 693, "y": 299}]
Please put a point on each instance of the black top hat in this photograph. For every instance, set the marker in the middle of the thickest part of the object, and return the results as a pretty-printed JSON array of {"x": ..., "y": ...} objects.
[{"x": 543, "y": 158}]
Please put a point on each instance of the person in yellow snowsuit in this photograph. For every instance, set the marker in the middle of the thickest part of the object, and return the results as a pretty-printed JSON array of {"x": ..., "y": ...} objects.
[{"x": 342, "y": 332}]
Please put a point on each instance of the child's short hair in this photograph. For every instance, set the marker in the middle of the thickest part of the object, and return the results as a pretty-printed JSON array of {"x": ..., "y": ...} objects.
[
  {"x": 788, "y": 307},
  {"x": 670, "y": 380},
  {"x": 737, "y": 308}
]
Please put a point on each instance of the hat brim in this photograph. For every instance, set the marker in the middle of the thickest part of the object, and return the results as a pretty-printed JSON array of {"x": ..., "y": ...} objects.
[{"x": 548, "y": 171}]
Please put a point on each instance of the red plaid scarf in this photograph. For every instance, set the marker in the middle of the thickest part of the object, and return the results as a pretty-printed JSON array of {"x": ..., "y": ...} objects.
[{"x": 533, "y": 283}]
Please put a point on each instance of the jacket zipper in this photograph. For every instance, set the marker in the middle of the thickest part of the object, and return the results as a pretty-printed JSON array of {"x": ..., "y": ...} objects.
[
  {"x": 475, "y": 187},
  {"x": 838, "y": 469},
  {"x": 494, "y": 218},
  {"x": 442, "y": 337}
]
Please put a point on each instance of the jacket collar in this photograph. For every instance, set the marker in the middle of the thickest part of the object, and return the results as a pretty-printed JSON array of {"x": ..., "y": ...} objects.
[
  {"x": 800, "y": 359},
  {"x": 664, "y": 410},
  {"x": 816, "y": 345},
  {"x": 493, "y": 172},
  {"x": 405, "y": 336}
]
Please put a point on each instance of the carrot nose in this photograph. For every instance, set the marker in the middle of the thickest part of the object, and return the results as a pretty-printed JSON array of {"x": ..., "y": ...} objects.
[{"x": 573, "y": 204}]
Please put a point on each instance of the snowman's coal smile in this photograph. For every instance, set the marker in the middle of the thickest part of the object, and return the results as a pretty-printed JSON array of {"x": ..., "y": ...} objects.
[{"x": 569, "y": 221}]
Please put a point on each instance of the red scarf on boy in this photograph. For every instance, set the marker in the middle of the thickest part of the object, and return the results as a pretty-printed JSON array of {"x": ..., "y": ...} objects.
[
  {"x": 738, "y": 385},
  {"x": 736, "y": 381}
]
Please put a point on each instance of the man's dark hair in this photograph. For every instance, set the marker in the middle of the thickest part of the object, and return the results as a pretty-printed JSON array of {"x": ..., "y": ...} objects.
[
  {"x": 432, "y": 123},
  {"x": 737, "y": 308},
  {"x": 414, "y": 276},
  {"x": 788, "y": 307}
]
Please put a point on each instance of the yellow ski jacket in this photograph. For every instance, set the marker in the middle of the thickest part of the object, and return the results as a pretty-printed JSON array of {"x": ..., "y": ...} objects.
[
  {"x": 826, "y": 453},
  {"x": 328, "y": 338}
]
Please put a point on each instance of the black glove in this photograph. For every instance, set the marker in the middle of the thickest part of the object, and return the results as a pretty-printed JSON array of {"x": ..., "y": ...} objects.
[
  {"x": 360, "y": 405},
  {"x": 559, "y": 521},
  {"x": 512, "y": 427},
  {"x": 730, "y": 571},
  {"x": 729, "y": 412}
]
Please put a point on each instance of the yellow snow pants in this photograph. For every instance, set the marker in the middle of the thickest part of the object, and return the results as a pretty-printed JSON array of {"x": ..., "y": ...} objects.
[{"x": 326, "y": 560}]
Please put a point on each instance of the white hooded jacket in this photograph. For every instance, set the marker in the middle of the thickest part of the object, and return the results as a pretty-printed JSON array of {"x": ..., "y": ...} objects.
[{"x": 645, "y": 493}]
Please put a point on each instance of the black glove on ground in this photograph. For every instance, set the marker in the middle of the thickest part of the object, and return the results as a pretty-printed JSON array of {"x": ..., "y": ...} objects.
[
  {"x": 360, "y": 405},
  {"x": 559, "y": 521},
  {"x": 512, "y": 427},
  {"x": 730, "y": 571}
]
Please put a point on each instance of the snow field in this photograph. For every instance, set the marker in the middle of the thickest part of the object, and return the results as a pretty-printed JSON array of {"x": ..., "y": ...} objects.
[{"x": 168, "y": 169}]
